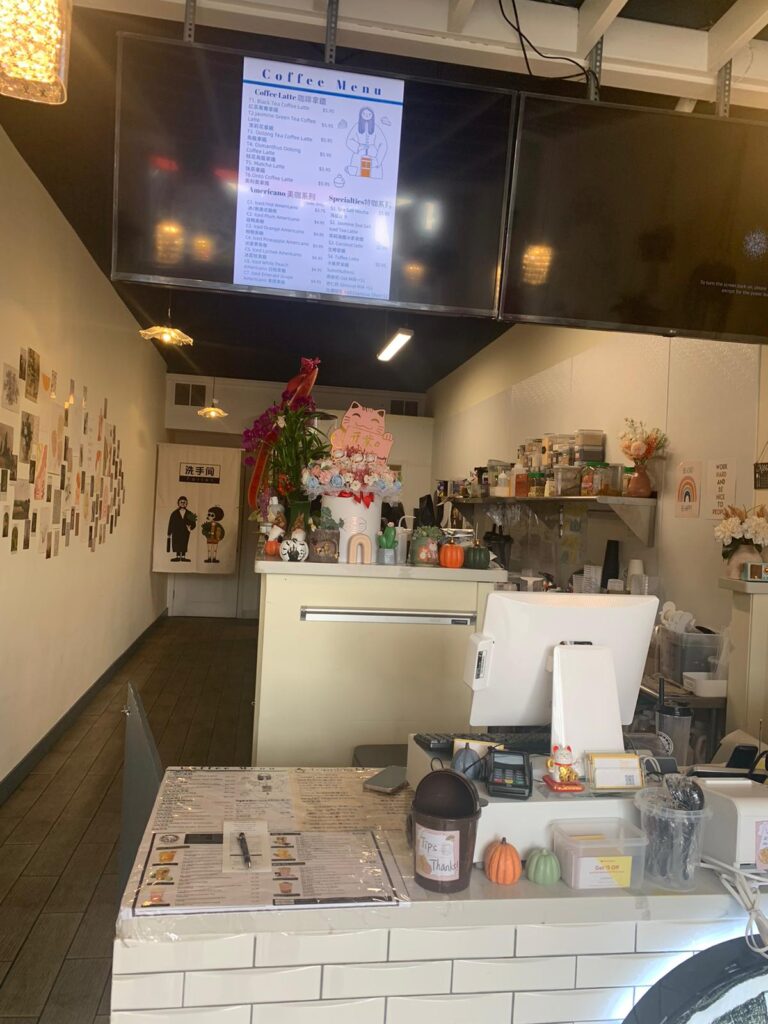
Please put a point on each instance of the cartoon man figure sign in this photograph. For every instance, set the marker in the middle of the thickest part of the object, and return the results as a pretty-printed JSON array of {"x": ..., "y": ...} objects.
[
  {"x": 181, "y": 523},
  {"x": 213, "y": 531}
]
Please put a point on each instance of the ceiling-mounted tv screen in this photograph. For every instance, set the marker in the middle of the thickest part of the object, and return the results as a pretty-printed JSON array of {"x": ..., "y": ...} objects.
[
  {"x": 638, "y": 220},
  {"x": 269, "y": 176}
]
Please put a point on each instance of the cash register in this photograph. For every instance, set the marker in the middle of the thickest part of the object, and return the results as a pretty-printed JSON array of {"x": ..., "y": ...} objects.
[{"x": 569, "y": 662}]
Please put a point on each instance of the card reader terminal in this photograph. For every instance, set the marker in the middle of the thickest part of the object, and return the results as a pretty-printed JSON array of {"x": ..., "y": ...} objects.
[{"x": 509, "y": 774}]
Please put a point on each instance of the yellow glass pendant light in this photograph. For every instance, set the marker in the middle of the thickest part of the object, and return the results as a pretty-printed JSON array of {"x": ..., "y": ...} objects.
[
  {"x": 34, "y": 49},
  {"x": 214, "y": 410},
  {"x": 165, "y": 333}
]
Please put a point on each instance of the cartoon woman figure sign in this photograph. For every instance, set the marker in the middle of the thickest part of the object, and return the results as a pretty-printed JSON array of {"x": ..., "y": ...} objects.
[
  {"x": 213, "y": 531},
  {"x": 368, "y": 146}
]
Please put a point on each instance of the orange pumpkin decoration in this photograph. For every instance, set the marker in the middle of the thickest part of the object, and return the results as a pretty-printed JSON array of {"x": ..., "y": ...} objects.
[
  {"x": 502, "y": 863},
  {"x": 272, "y": 549},
  {"x": 451, "y": 556}
]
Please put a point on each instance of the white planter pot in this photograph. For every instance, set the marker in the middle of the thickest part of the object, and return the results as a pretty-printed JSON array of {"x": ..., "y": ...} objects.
[{"x": 357, "y": 519}]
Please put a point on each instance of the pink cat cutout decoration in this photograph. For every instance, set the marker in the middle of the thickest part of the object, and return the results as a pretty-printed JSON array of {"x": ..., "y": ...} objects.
[{"x": 363, "y": 429}]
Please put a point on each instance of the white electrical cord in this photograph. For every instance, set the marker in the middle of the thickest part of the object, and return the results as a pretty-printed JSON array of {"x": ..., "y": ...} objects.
[{"x": 745, "y": 887}]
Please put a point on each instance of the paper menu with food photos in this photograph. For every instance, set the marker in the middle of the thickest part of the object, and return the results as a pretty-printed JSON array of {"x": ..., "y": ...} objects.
[{"x": 182, "y": 874}]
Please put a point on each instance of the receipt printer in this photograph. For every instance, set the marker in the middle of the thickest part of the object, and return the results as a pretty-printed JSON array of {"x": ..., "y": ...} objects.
[{"x": 737, "y": 833}]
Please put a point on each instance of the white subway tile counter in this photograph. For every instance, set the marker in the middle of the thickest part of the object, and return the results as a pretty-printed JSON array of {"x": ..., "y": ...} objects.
[{"x": 517, "y": 955}]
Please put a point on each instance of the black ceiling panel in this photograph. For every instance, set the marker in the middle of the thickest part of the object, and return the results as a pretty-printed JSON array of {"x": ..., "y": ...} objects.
[{"x": 70, "y": 149}]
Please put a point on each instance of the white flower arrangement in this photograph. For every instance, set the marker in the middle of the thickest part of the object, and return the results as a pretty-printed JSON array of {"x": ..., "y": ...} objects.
[{"x": 742, "y": 525}]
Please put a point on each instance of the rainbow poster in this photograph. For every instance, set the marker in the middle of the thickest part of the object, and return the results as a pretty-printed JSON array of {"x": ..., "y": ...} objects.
[{"x": 688, "y": 490}]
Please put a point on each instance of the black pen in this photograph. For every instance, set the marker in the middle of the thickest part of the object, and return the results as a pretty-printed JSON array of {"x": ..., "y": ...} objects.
[{"x": 244, "y": 849}]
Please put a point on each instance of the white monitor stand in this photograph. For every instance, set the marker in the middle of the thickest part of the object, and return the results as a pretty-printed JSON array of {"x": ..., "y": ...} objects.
[{"x": 585, "y": 701}]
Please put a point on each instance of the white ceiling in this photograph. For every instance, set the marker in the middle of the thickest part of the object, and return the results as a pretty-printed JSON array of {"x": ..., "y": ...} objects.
[{"x": 637, "y": 55}]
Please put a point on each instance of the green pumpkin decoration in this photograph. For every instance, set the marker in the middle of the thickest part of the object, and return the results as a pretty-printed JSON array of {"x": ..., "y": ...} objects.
[
  {"x": 543, "y": 868},
  {"x": 477, "y": 557}
]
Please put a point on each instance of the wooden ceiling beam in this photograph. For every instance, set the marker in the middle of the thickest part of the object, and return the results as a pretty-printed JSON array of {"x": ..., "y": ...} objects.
[
  {"x": 735, "y": 30},
  {"x": 595, "y": 17}
]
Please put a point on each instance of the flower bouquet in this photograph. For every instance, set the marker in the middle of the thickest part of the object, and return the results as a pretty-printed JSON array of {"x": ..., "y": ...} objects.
[
  {"x": 743, "y": 534},
  {"x": 641, "y": 444},
  {"x": 351, "y": 474},
  {"x": 283, "y": 440}
]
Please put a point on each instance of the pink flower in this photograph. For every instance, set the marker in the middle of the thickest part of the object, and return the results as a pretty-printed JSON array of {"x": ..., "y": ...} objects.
[
  {"x": 325, "y": 476},
  {"x": 637, "y": 449}
]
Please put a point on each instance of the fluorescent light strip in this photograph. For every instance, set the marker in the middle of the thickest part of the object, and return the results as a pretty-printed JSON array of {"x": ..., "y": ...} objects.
[{"x": 402, "y": 337}]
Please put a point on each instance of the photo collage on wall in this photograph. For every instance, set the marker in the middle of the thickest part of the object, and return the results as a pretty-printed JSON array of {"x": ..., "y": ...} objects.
[{"x": 61, "y": 470}]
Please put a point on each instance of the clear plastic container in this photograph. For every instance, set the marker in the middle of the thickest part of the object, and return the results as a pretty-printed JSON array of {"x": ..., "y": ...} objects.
[
  {"x": 687, "y": 652},
  {"x": 600, "y": 853},
  {"x": 590, "y": 438},
  {"x": 583, "y": 454},
  {"x": 674, "y": 840},
  {"x": 567, "y": 481},
  {"x": 608, "y": 479},
  {"x": 588, "y": 479},
  {"x": 626, "y": 476}
]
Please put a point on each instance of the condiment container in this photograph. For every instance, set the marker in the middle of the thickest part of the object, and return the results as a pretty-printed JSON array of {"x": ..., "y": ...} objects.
[
  {"x": 626, "y": 476},
  {"x": 536, "y": 489},
  {"x": 521, "y": 482}
]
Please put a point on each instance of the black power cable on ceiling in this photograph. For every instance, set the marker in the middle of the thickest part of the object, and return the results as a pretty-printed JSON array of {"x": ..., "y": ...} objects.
[{"x": 583, "y": 72}]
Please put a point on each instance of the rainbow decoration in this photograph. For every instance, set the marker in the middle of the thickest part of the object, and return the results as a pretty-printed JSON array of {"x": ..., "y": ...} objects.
[{"x": 687, "y": 490}]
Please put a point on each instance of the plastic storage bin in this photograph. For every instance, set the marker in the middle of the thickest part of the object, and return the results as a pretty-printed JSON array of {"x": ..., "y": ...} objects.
[
  {"x": 687, "y": 652},
  {"x": 600, "y": 853}
]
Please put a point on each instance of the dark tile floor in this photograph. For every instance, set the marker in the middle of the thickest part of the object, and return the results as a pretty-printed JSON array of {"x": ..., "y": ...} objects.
[{"x": 59, "y": 829}]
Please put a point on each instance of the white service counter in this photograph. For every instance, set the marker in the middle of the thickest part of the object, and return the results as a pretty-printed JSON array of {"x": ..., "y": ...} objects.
[
  {"x": 361, "y": 654},
  {"x": 500, "y": 955}
]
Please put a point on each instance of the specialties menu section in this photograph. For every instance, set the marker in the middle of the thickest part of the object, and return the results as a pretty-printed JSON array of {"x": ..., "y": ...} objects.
[{"x": 317, "y": 190}]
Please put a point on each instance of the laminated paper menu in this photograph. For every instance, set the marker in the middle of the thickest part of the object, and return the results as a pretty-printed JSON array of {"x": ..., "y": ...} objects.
[{"x": 315, "y": 855}]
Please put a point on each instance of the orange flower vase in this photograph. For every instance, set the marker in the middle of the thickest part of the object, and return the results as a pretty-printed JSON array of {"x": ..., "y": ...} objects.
[{"x": 640, "y": 485}]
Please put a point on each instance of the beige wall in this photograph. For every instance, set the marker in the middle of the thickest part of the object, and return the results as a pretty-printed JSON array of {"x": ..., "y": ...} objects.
[
  {"x": 536, "y": 379},
  {"x": 65, "y": 620}
]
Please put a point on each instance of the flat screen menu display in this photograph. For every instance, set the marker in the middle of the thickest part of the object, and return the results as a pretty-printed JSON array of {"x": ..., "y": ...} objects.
[
  {"x": 638, "y": 219},
  {"x": 256, "y": 174}
]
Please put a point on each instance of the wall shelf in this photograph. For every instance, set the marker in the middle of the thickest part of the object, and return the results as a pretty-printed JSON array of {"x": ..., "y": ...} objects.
[
  {"x": 638, "y": 514},
  {"x": 743, "y": 586}
]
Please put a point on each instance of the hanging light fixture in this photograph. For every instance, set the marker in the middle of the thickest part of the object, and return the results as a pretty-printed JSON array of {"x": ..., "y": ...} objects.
[
  {"x": 214, "y": 410},
  {"x": 165, "y": 333},
  {"x": 34, "y": 49}
]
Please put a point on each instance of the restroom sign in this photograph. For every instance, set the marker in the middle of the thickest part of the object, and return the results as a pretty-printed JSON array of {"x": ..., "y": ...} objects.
[{"x": 199, "y": 473}]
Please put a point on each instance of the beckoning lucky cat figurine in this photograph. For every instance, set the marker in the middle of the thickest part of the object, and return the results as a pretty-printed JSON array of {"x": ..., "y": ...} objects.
[
  {"x": 560, "y": 765},
  {"x": 363, "y": 429}
]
